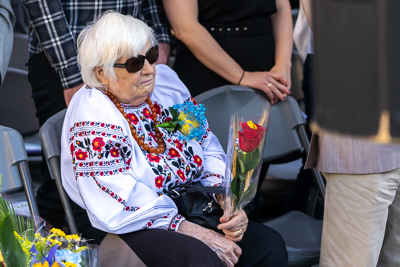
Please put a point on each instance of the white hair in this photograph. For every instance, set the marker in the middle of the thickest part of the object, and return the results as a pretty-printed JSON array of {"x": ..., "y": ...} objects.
[{"x": 107, "y": 39}]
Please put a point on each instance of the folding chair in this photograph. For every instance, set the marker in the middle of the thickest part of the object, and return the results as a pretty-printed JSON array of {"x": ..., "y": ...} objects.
[
  {"x": 286, "y": 136},
  {"x": 14, "y": 167},
  {"x": 50, "y": 137}
]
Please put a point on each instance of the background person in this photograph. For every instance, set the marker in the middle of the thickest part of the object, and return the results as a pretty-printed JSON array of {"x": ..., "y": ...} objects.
[
  {"x": 229, "y": 42},
  {"x": 362, "y": 200}
]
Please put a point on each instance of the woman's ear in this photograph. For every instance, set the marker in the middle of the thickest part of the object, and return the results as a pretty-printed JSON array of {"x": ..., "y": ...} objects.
[{"x": 100, "y": 75}]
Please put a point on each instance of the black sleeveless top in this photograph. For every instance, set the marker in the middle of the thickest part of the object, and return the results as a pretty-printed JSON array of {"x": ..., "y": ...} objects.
[{"x": 232, "y": 11}]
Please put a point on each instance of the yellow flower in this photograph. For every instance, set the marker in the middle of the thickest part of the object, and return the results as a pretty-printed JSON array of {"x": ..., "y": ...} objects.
[
  {"x": 188, "y": 123},
  {"x": 1, "y": 257},
  {"x": 72, "y": 238},
  {"x": 69, "y": 264},
  {"x": 46, "y": 264},
  {"x": 57, "y": 232},
  {"x": 39, "y": 264}
]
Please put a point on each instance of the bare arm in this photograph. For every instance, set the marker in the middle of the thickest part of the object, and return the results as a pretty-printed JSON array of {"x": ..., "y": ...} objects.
[
  {"x": 182, "y": 15},
  {"x": 283, "y": 35},
  {"x": 307, "y": 7}
]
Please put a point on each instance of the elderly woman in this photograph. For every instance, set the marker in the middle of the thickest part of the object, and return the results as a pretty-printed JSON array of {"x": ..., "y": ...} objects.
[{"x": 118, "y": 166}]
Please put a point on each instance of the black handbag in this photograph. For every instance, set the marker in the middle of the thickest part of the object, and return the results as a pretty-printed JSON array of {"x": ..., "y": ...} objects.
[{"x": 196, "y": 205}]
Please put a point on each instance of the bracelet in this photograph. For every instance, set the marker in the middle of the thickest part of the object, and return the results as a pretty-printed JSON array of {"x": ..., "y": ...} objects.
[{"x": 241, "y": 78}]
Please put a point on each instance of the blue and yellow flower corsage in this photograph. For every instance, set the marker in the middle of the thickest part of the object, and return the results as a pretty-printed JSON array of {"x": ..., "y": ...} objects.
[{"x": 189, "y": 119}]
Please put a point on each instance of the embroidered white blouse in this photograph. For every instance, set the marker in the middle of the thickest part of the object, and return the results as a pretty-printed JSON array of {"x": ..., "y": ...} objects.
[{"x": 121, "y": 186}]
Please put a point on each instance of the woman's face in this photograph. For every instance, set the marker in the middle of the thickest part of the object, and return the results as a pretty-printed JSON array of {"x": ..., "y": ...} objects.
[{"x": 133, "y": 88}]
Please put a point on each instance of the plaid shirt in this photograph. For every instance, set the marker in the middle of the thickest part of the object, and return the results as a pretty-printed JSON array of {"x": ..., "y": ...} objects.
[{"x": 56, "y": 24}]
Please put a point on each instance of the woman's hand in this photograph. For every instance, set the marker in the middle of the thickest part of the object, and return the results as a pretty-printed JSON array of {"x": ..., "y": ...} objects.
[
  {"x": 284, "y": 71},
  {"x": 235, "y": 227},
  {"x": 226, "y": 250},
  {"x": 271, "y": 83}
]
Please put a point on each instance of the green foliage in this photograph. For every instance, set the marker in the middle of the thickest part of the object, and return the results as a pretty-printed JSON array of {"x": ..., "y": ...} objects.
[{"x": 11, "y": 249}]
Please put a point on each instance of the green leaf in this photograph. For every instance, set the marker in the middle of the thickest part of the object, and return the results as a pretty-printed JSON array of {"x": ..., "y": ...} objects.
[
  {"x": 11, "y": 249},
  {"x": 173, "y": 112},
  {"x": 251, "y": 160},
  {"x": 169, "y": 126},
  {"x": 235, "y": 185}
]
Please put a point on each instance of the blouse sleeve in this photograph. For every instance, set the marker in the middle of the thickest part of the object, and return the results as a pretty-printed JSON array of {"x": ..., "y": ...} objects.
[{"x": 116, "y": 201}]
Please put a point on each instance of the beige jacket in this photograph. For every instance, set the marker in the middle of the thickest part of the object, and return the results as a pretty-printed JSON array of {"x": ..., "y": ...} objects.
[{"x": 336, "y": 153}]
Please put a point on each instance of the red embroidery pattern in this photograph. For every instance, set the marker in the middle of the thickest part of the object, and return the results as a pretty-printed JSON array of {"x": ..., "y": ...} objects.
[
  {"x": 174, "y": 222},
  {"x": 116, "y": 197}
]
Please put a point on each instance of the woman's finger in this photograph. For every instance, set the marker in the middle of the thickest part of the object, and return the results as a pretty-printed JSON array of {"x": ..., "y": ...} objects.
[{"x": 279, "y": 78}]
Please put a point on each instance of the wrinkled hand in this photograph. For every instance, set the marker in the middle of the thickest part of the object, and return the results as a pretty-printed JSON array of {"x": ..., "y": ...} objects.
[
  {"x": 165, "y": 51},
  {"x": 69, "y": 93},
  {"x": 234, "y": 228},
  {"x": 226, "y": 250},
  {"x": 274, "y": 85}
]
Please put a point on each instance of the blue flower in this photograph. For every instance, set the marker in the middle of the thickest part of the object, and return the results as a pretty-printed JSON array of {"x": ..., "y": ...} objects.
[{"x": 64, "y": 255}]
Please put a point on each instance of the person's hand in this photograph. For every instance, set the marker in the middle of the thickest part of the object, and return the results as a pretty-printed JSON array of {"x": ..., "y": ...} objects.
[
  {"x": 227, "y": 250},
  {"x": 165, "y": 51},
  {"x": 234, "y": 228},
  {"x": 284, "y": 71},
  {"x": 274, "y": 85},
  {"x": 69, "y": 93}
]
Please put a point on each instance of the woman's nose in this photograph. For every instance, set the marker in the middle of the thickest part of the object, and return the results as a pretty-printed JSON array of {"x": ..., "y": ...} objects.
[{"x": 147, "y": 68}]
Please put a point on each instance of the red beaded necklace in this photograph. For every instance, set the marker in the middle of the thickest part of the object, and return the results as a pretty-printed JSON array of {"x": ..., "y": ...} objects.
[{"x": 161, "y": 146}]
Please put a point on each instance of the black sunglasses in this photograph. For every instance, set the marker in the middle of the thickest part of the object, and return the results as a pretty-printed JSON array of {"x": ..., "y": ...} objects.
[{"x": 134, "y": 64}]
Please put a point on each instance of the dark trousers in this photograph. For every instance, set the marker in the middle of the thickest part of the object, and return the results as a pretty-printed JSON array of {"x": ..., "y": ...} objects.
[
  {"x": 261, "y": 246},
  {"x": 48, "y": 96}
]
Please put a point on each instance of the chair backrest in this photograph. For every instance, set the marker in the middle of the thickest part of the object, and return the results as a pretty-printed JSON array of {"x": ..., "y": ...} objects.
[
  {"x": 50, "y": 137},
  {"x": 14, "y": 166},
  {"x": 286, "y": 134},
  {"x": 19, "y": 55},
  {"x": 223, "y": 101},
  {"x": 16, "y": 104}
]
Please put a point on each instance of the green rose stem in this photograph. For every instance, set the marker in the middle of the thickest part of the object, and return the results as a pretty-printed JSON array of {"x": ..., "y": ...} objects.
[{"x": 247, "y": 162}]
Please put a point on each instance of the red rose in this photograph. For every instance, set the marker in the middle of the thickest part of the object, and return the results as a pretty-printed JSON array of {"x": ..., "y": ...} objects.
[{"x": 250, "y": 138}]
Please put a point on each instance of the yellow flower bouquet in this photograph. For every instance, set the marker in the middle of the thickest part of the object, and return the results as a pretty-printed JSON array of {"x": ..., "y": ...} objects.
[{"x": 24, "y": 244}]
